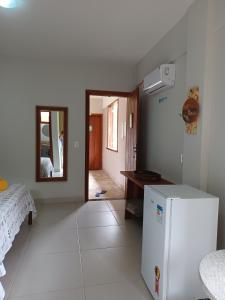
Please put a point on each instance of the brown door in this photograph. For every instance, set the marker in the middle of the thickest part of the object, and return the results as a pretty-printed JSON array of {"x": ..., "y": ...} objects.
[
  {"x": 95, "y": 142},
  {"x": 132, "y": 131}
]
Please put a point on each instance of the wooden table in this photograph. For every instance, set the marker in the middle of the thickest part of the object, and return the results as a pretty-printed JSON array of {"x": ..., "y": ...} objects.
[{"x": 135, "y": 191}]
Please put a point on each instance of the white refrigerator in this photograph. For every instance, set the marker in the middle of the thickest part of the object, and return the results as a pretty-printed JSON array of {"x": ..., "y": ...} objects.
[{"x": 179, "y": 229}]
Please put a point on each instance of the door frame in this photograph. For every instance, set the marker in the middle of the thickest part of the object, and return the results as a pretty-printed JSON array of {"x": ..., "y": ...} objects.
[{"x": 89, "y": 93}]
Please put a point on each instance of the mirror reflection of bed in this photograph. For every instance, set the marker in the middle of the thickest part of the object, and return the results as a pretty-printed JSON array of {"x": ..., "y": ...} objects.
[
  {"x": 51, "y": 129},
  {"x": 51, "y": 143}
]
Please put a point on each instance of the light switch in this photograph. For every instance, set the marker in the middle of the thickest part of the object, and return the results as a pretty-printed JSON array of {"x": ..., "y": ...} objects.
[
  {"x": 181, "y": 158},
  {"x": 76, "y": 144}
]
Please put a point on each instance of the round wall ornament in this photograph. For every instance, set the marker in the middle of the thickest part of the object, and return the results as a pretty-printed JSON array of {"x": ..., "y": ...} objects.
[{"x": 190, "y": 110}]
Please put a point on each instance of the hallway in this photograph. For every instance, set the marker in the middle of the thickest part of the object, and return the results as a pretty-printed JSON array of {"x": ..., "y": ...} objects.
[{"x": 100, "y": 181}]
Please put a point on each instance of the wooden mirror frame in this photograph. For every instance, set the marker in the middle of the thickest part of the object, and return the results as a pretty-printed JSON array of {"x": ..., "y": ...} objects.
[{"x": 65, "y": 143}]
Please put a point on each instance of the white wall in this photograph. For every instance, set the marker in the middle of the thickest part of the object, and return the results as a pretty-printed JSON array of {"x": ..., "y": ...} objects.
[
  {"x": 25, "y": 84},
  {"x": 192, "y": 35},
  {"x": 204, "y": 154},
  {"x": 195, "y": 165},
  {"x": 216, "y": 178},
  {"x": 108, "y": 100},
  {"x": 114, "y": 162},
  {"x": 162, "y": 128},
  {"x": 96, "y": 105}
]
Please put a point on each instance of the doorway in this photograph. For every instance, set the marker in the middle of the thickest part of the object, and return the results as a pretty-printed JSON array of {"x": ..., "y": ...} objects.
[
  {"x": 111, "y": 142},
  {"x": 95, "y": 140}
]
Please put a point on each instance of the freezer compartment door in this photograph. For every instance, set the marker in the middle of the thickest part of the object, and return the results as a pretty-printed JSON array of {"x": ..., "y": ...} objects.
[{"x": 156, "y": 227}]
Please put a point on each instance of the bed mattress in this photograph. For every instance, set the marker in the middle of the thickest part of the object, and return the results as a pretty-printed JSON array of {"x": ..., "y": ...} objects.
[{"x": 15, "y": 204}]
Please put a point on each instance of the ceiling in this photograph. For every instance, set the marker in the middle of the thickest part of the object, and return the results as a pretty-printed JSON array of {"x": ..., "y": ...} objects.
[{"x": 117, "y": 31}]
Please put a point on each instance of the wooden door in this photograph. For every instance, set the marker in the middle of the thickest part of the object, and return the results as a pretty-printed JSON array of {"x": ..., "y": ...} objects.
[
  {"x": 132, "y": 135},
  {"x": 95, "y": 142}
]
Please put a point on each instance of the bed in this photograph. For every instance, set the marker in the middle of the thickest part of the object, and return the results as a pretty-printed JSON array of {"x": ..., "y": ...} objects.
[
  {"x": 46, "y": 167},
  {"x": 15, "y": 204}
]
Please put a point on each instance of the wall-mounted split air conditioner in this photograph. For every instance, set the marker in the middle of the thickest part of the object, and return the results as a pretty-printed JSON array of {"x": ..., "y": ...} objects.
[{"x": 161, "y": 78}]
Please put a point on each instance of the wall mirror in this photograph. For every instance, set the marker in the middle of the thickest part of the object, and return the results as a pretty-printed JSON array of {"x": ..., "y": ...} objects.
[{"x": 51, "y": 143}]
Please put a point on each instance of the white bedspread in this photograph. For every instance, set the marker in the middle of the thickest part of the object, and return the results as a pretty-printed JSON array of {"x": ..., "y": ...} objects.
[{"x": 15, "y": 204}]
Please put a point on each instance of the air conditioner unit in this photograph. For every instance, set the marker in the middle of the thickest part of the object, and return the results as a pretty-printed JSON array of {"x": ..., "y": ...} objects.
[{"x": 161, "y": 78}]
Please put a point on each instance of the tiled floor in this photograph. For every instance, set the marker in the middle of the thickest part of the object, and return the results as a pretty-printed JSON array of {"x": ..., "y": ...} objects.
[
  {"x": 77, "y": 252},
  {"x": 100, "y": 181}
]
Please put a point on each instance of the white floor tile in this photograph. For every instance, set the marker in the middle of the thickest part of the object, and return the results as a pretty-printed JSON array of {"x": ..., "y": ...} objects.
[
  {"x": 19, "y": 243},
  {"x": 59, "y": 208},
  {"x": 92, "y": 206},
  {"x": 120, "y": 216},
  {"x": 117, "y": 291},
  {"x": 110, "y": 265},
  {"x": 48, "y": 260},
  {"x": 95, "y": 219},
  {"x": 61, "y": 215},
  {"x": 13, "y": 257},
  {"x": 132, "y": 230},
  {"x": 53, "y": 240},
  {"x": 40, "y": 273},
  {"x": 11, "y": 262},
  {"x": 77, "y": 294},
  {"x": 102, "y": 237},
  {"x": 116, "y": 204}
]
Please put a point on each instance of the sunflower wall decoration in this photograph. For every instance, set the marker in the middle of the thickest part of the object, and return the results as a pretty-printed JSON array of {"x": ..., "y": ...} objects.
[{"x": 190, "y": 111}]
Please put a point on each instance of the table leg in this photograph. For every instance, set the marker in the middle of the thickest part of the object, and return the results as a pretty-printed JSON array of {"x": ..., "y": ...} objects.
[
  {"x": 30, "y": 218},
  {"x": 128, "y": 215}
]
